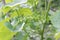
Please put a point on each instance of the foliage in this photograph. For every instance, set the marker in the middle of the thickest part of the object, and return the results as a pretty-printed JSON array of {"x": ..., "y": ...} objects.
[{"x": 29, "y": 23}]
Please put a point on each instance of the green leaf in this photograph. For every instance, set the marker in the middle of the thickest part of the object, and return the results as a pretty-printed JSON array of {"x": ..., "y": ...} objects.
[
  {"x": 14, "y": 28},
  {"x": 21, "y": 36},
  {"x": 33, "y": 25},
  {"x": 57, "y": 36},
  {"x": 6, "y": 9},
  {"x": 55, "y": 19},
  {"x": 5, "y": 33},
  {"x": 13, "y": 14},
  {"x": 9, "y": 26},
  {"x": 49, "y": 39},
  {"x": 32, "y": 2},
  {"x": 8, "y": 1},
  {"x": 26, "y": 12}
]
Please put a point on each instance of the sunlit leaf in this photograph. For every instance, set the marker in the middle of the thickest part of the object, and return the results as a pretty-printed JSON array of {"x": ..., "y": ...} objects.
[
  {"x": 14, "y": 14},
  {"x": 5, "y": 33},
  {"x": 33, "y": 2},
  {"x": 6, "y": 9},
  {"x": 57, "y": 36},
  {"x": 8, "y": 1},
  {"x": 26, "y": 12}
]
